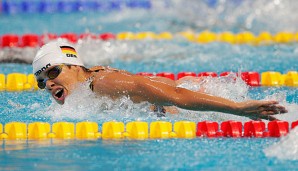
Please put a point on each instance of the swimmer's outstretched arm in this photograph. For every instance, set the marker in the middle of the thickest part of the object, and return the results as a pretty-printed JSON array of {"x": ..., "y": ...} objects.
[{"x": 141, "y": 88}]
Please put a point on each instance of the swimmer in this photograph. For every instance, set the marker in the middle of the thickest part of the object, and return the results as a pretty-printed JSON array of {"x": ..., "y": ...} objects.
[{"x": 58, "y": 69}]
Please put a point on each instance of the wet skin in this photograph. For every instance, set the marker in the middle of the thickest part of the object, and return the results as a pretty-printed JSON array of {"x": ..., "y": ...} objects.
[{"x": 156, "y": 90}]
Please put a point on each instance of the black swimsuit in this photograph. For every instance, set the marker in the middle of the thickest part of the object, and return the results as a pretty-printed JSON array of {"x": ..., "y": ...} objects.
[{"x": 159, "y": 110}]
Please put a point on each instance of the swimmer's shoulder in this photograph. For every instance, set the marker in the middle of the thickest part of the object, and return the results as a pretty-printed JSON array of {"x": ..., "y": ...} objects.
[
  {"x": 110, "y": 82},
  {"x": 103, "y": 78}
]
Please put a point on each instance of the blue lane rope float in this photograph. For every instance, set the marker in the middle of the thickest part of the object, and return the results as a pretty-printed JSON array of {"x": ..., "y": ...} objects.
[
  {"x": 144, "y": 130},
  {"x": 66, "y": 6}
]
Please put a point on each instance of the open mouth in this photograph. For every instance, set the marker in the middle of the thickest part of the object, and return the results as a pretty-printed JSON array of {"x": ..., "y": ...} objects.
[{"x": 59, "y": 93}]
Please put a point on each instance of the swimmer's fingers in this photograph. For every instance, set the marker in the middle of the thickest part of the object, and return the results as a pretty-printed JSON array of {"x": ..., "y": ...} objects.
[
  {"x": 270, "y": 118},
  {"x": 263, "y": 108},
  {"x": 257, "y": 110},
  {"x": 267, "y": 114},
  {"x": 271, "y": 110},
  {"x": 260, "y": 117}
]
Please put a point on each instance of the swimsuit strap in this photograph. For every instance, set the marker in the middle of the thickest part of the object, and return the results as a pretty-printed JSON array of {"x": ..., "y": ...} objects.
[
  {"x": 98, "y": 69},
  {"x": 91, "y": 86},
  {"x": 94, "y": 69}
]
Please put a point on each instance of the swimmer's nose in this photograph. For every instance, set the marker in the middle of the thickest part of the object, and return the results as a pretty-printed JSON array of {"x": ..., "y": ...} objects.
[{"x": 50, "y": 84}]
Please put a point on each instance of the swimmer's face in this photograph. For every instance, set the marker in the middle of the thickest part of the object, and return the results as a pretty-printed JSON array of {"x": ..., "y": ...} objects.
[{"x": 60, "y": 81}]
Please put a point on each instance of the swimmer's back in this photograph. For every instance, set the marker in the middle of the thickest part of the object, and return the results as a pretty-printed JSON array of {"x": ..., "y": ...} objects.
[{"x": 105, "y": 70}]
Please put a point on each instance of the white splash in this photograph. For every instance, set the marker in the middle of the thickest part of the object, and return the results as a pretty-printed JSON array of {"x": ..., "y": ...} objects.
[
  {"x": 286, "y": 148},
  {"x": 15, "y": 105},
  {"x": 83, "y": 104},
  {"x": 292, "y": 114},
  {"x": 230, "y": 87}
]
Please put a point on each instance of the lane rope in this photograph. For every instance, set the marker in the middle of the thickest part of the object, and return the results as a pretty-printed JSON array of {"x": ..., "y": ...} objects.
[
  {"x": 264, "y": 38},
  {"x": 24, "y": 82},
  {"x": 144, "y": 130}
]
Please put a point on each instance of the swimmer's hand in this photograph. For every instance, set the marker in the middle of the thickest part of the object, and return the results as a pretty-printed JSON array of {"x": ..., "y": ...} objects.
[{"x": 257, "y": 110}]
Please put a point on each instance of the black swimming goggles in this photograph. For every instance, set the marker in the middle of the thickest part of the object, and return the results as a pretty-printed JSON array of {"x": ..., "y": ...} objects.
[{"x": 50, "y": 74}]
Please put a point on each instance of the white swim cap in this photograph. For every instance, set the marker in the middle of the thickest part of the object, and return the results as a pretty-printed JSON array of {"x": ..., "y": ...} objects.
[{"x": 55, "y": 53}]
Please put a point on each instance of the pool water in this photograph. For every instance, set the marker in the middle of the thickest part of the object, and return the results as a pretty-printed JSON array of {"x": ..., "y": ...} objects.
[
  {"x": 170, "y": 154},
  {"x": 157, "y": 56}
]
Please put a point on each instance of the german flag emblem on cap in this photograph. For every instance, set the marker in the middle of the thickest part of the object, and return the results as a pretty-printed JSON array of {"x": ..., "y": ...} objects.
[{"x": 69, "y": 51}]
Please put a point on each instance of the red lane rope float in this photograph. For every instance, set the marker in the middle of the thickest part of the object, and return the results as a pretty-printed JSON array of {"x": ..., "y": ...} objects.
[
  {"x": 107, "y": 36},
  {"x": 88, "y": 36},
  {"x": 35, "y": 40},
  {"x": 208, "y": 129},
  {"x": 251, "y": 78},
  {"x": 235, "y": 129},
  {"x": 254, "y": 129},
  {"x": 10, "y": 40},
  {"x": 30, "y": 40},
  {"x": 184, "y": 74},
  {"x": 167, "y": 75},
  {"x": 294, "y": 124},
  {"x": 207, "y": 74},
  {"x": 72, "y": 37}
]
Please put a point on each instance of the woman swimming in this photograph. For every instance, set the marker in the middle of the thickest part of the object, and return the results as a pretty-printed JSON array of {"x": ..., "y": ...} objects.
[{"x": 58, "y": 68}]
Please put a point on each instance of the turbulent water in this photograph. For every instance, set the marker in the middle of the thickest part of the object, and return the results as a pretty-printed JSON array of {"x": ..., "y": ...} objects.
[
  {"x": 286, "y": 148},
  {"x": 167, "y": 15},
  {"x": 157, "y": 56},
  {"x": 83, "y": 104}
]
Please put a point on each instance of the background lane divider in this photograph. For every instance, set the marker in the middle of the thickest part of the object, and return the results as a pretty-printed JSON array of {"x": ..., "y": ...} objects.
[
  {"x": 264, "y": 38},
  {"x": 66, "y": 6},
  {"x": 23, "y": 82},
  {"x": 142, "y": 130}
]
